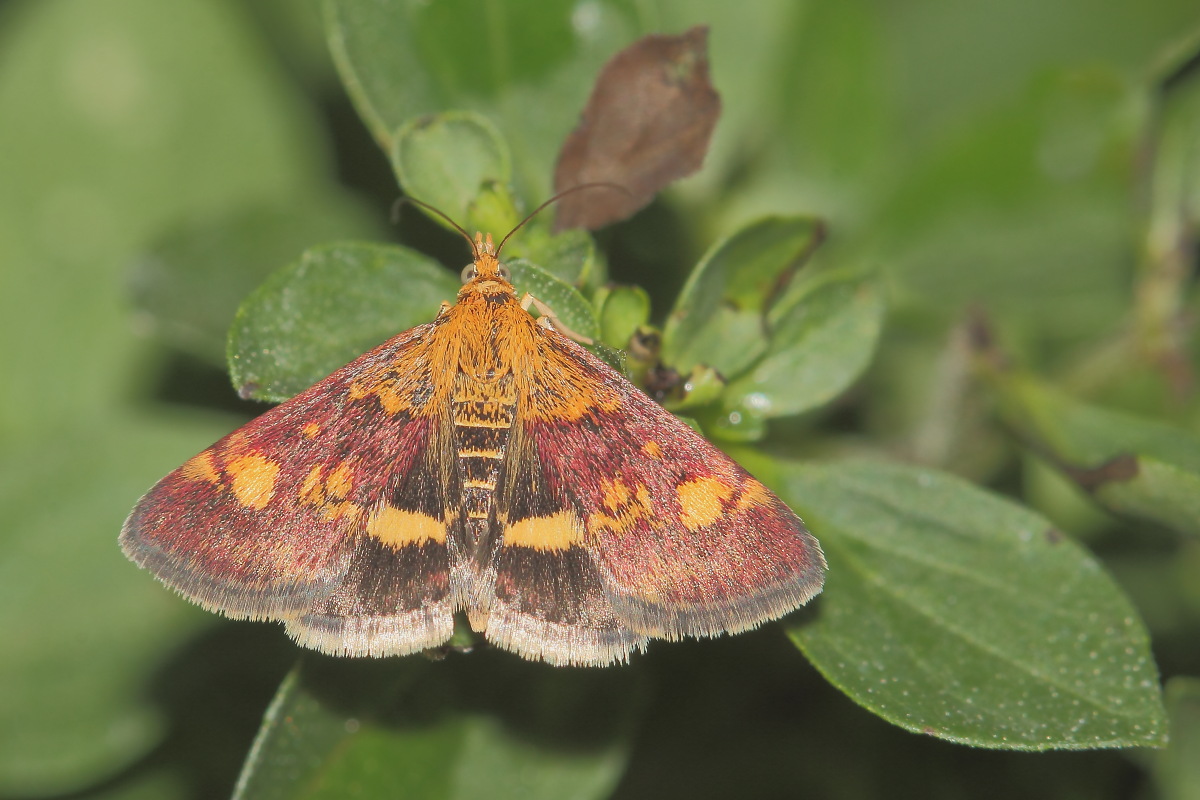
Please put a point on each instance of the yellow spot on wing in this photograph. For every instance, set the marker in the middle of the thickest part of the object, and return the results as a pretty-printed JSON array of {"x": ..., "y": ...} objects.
[
  {"x": 311, "y": 491},
  {"x": 652, "y": 449},
  {"x": 753, "y": 494},
  {"x": 201, "y": 468},
  {"x": 616, "y": 495},
  {"x": 390, "y": 400},
  {"x": 348, "y": 510},
  {"x": 311, "y": 430},
  {"x": 235, "y": 443},
  {"x": 702, "y": 501},
  {"x": 397, "y": 528},
  {"x": 340, "y": 480},
  {"x": 555, "y": 532},
  {"x": 253, "y": 477},
  {"x": 628, "y": 508}
]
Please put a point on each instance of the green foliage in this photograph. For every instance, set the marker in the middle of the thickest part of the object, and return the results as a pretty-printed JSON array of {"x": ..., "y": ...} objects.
[
  {"x": 480, "y": 728},
  {"x": 880, "y": 175},
  {"x": 819, "y": 344},
  {"x": 718, "y": 318},
  {"x": 455, "y": 162},
  {"x": 917, "y": 627},
  {"x": 621, "y": 310},
  {"x": 1131, "y": 465}
]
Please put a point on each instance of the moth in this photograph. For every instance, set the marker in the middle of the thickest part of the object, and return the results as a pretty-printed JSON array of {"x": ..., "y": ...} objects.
[{"x": 483, "y": 463}]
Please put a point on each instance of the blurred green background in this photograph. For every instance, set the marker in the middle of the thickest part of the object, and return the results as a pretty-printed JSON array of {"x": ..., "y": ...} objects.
[{"x": 1022, "y": 158}]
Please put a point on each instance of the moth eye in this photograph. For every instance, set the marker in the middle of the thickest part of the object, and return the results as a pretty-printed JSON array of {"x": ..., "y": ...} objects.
[
  {"x": 468, "y": 273},
  {"x": 506, "y": 273}
]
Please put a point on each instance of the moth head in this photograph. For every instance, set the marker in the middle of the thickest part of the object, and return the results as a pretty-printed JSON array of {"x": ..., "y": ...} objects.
[
  {"x": 485, "y": 266},
  {"x": 485, "y": 274}
]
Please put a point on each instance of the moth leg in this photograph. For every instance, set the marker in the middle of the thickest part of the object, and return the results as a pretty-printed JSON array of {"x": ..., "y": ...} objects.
[{"x": 550, "y": 319}]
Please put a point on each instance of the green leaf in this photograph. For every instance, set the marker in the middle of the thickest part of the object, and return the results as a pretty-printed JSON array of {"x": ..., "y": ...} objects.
[
  {"x": 448, "y": 160},
  {"x": 189, "y": 285},
  {"x": 563, "y": 299},
  {"x": 702, "y": 387},
  {"x": 952, "y": 612},
  {"x": 484, "y": 725},
  {"x": 526, "y": 66},
  {"x": 1131, "y": 466},
  {"x": 732, "y": 428},
  {"x": 719, "y": 318},
  {"x": 494, "y": 210},
  {"x": 570, "y": 255},
  {"x": 335, "y": 303},
  {"x": 818, "y": 346},
  {"x": 621, "y": 311}
]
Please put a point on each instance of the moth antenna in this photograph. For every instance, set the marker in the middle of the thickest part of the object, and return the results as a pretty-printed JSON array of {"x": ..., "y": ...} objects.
[
  {"x": 555, "y": 199},
  {"x": 401, "y": 201}
]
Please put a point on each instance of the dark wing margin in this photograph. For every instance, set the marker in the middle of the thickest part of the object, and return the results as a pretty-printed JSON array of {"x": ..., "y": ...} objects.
[{"x": 326, "y": 512}]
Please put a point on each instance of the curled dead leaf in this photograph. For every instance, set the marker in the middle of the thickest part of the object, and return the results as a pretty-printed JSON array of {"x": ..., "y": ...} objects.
[{"x": 647, "y": 123}]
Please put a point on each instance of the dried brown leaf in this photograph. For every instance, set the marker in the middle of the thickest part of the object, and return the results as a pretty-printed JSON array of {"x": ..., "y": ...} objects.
[{"x": 647, "y": 123}]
